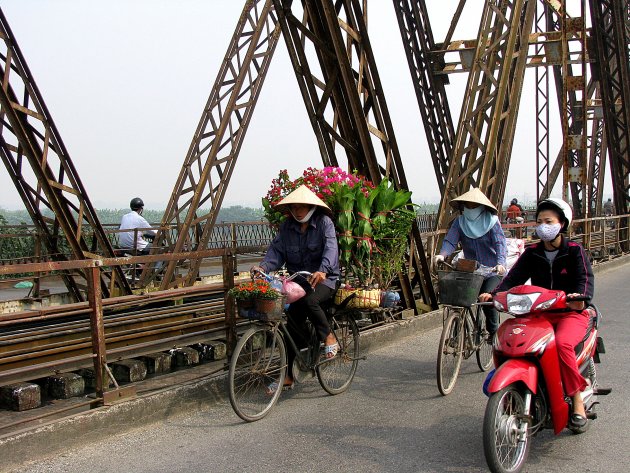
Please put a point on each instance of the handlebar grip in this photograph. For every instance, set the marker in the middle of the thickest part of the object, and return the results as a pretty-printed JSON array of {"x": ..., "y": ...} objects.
[{"x": 581, "y": 298}]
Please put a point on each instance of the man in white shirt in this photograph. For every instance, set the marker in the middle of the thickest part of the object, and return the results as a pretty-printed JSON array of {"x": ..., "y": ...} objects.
[{"x": 132, "y": 221}]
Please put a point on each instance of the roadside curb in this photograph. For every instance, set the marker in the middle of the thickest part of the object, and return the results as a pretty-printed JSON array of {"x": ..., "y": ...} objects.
[{"x": 91, "y": 426}]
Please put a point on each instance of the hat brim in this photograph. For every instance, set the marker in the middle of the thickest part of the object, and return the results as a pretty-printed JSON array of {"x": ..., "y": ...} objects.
[
  {"x": 473, "y": 196},
  {"x": 302, "y": 195}
]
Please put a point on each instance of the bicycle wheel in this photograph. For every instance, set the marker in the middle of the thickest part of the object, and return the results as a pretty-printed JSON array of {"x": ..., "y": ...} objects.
[
  {"x": 450, "y": 352},
  {"x": 484, "y": 344},
  {"x": 505, "y": 431},
  {"x": 258, "y": 361},
  {"x": 336, "y": 375}
]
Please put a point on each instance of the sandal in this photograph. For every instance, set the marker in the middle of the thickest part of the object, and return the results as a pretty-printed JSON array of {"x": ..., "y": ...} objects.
[
  {"x": 330, "y": 351},
  {"x": 273, "y": 387}
]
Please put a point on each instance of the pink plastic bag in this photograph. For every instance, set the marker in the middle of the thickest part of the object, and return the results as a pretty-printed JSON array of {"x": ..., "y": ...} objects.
[{"x": 293, "y": 291}]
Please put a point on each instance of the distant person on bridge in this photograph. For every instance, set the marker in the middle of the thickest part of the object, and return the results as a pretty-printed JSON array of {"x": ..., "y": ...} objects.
[
  {"x": 609, "y": 208},
  {"x": 135, "y": 239},
  {"x": 557, "y": 263},
  {"x": 307, "y": 241},
  {"x": 482, "y": 239},
  {"x": 515, "y": 212}
]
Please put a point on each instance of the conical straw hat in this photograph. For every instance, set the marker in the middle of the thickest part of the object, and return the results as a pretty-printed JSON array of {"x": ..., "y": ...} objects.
[
  {"x": 475, "y": 196},
  {"x": 301, "y": 195}
]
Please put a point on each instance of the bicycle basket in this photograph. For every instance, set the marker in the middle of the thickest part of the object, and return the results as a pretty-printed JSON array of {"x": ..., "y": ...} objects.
[
  {"x": 265, "y": 310},
  {"x": 459, "y": 288}
]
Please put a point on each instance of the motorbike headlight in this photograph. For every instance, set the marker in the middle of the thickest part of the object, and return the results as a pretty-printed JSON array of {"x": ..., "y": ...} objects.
[
  {"x": 546, "y": 304},
  {"x": 519, "y": 304}
]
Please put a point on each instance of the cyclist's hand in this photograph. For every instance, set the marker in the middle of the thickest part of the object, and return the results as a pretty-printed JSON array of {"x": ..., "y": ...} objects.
[
  {"x": 485, "y": 297},
  {"x": 255, "y": 271},
  {"x": 438, "y": 259},
  {"x": 500, "y": 269},
  {"x": 315, "y": 278}
]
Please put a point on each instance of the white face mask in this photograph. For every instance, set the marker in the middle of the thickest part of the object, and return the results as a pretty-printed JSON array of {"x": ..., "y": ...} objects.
[
  {"x": 548, "y": 232},
  {"x": 307, "y": 217}
]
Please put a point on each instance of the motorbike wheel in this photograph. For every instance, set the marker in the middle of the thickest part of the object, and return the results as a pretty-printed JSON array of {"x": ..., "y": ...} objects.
[
  {"x": 484, "y": 351},
  {"x": 450, "y": 352},
  {"x": 505, "y": 431}
]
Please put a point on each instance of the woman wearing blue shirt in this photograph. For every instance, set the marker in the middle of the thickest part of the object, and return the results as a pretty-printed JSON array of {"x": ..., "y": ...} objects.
[
  {"x": 479, "y": 232},
  {"x": 307, "y": 241}
]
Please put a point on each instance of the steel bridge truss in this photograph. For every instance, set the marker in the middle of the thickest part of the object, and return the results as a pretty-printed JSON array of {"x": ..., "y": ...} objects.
[
  {"x": 419, "y": 43},
  {"x": 345, "y": 101},
  {"x": 216, "y": 144},
  {"x": 481, "y": 155},
  {"x": 45, "y": 177},
  {"x": 611, "y": 23}
]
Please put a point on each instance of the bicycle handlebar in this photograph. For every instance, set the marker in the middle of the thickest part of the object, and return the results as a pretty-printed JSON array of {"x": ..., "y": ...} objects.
[{"x": 269, "y": 277}]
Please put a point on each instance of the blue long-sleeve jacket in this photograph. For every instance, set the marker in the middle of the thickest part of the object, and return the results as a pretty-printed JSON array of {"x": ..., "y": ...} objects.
[
  {"x": 489, "y": 249},
  {"x": 314, "y": 250}
]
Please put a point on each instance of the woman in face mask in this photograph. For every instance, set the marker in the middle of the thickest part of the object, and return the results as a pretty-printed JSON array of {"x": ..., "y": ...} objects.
[
  {"x": 307, "y": 241},
  {"x": 479, "y": 232},
  {"x": 557, "y": 263}
]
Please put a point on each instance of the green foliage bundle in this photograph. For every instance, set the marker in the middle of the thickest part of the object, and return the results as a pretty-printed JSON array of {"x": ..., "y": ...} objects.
[{"x": 372, "y": 223}]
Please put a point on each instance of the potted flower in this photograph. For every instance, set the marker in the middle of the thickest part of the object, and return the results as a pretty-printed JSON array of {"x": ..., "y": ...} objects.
[
  {"x": 257, "y": 293},
  {"x": 266, "y": 298}
]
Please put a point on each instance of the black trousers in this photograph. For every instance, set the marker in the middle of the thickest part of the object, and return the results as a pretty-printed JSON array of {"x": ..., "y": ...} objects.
[
  {"x": 309, "y": 307},
  {"x": 492, "y": 316}
]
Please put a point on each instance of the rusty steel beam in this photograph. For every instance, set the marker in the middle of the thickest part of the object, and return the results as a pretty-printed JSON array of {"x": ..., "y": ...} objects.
[
  {"x": 611, "y": 22},
  {"x": 596, "y": 160},
  {"x": 487, "y": 121},
  {"x": 458, "y": 55},
  {"x": 418, "y": 41},
  {"x": 573, "y": 107},
  {"x": 216, "y": 144},
  {"x": 42, "y": 171},
  {"x": 542, "y": 106},
  {"x": 345, "y": 101}
]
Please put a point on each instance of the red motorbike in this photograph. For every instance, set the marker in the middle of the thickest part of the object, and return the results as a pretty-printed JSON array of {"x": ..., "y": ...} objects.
[{"x": 525, "y": 390}]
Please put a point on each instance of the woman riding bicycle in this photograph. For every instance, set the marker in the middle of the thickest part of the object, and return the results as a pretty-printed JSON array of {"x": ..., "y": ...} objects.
[
  {"x": 307, "y": 241},
  {"x": 479, "y": 231},
  {"x": 557, "y": 263}
]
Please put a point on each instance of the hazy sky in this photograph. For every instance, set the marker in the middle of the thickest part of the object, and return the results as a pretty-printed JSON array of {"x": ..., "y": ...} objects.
[{"x": 126, "y": 82}]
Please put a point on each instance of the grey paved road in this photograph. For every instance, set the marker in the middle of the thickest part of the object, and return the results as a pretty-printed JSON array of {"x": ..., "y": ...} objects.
[{"x": 392, "y": 419}]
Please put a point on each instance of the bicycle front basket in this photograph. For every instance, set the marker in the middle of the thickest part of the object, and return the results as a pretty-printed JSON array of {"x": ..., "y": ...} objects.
[{"x": 459, "y": 288}]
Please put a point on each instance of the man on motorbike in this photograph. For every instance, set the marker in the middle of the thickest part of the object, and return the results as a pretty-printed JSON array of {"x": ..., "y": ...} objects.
[{"x": 557, "y": 263}]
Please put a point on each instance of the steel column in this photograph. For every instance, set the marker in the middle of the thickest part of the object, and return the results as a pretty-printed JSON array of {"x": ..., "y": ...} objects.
[
  {"x": 417, "y": 37},
  {"x": 485, "y": 131},
  {"x": 40, "y": 166},
  {"x": 216, "y": 144}
]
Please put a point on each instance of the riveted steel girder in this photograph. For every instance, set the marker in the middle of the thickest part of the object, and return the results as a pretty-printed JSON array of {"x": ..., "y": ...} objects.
[
  {"x": 216, "y": 144},
  {"x": 417, "y": 36},
  {"x": 611, "y": 24},
  {"x": 345, "y": 101},
  {"x": 485, "y": 131},
  {"x": 43, "y": 173}
]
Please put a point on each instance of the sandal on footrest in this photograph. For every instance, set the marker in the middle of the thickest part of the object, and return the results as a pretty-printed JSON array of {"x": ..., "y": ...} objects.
[{"x": 330, "y": 351}]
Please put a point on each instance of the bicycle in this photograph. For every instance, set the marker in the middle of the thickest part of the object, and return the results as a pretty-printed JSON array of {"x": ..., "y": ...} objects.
[
  {"x": 260, "y": 360},
  {"x": 464, "y": 332}
]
